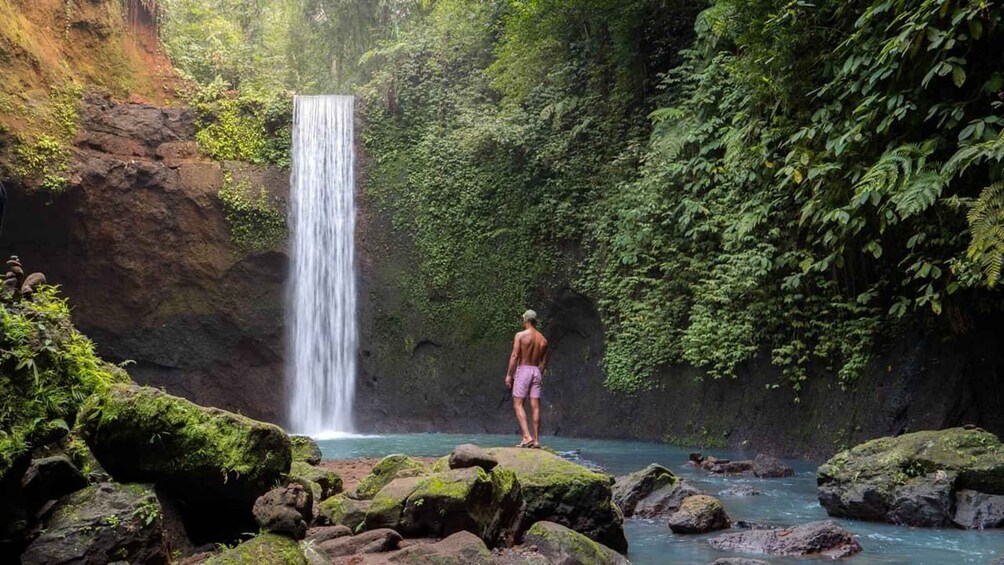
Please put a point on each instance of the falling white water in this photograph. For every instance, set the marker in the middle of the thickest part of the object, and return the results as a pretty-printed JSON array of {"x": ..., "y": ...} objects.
[{"x": 323, "y": 339}]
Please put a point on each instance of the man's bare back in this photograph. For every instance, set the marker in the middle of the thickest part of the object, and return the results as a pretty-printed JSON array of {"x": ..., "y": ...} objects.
[{"x": 530, "y": 348}]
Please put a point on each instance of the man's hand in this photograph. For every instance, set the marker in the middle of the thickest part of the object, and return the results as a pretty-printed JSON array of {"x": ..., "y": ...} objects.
[{"x": 508, "y": 381}]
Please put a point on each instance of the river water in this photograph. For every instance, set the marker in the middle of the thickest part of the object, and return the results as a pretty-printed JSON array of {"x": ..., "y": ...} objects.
[{"x": 784, "y": 502}]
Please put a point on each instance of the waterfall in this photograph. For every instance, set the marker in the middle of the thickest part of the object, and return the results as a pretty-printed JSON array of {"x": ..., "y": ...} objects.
[{"x": 323, "y": 337}]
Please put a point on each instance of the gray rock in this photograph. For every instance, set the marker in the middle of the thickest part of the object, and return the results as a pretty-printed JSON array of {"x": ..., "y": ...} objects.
[
  {"x": 461, "y": 548},
  {"x": 766, "y": 467},
  {"x": 325, "y": 533},
  {"x": 666, "y": 500},
  {"x": 100, "y": 524},
  {"x": 285, "y": 510},
  {"x": 470, "y": 455},
  {"x": 923, "y": 501},
  {"x": 978, "y": 511},
  {"x": 699, "y": 514},
  {"x": 567, "y": 547},
  {"x": 373, "y": 541},
  {"x": 911, "y": 479},
  {"x": 824, "y": 538},
  {"x": 738, "y": 561},
  {"x": 50, "y": 478},
  {"x": 628, "y": 490}
]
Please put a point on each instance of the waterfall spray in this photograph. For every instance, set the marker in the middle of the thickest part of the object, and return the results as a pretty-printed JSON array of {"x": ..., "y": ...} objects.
[{"x": 323, "y": 337}]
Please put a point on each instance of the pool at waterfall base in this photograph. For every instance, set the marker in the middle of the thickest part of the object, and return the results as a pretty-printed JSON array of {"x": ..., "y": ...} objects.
[{"x": 783, "y": 502}]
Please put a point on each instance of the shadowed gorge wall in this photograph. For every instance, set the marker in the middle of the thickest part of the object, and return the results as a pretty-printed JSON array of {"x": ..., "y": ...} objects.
[{"x": 140, "y": 244}]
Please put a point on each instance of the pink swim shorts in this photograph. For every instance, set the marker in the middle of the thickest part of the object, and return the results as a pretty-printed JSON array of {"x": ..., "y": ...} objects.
[{"x": 526, "y": 382}]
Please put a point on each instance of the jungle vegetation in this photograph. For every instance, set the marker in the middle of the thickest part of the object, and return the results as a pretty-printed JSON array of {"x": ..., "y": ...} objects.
[{"x": 800, "y": 180}]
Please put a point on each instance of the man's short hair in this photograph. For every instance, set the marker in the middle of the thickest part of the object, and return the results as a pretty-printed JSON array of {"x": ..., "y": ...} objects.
[{"x": 530, "y": 316}]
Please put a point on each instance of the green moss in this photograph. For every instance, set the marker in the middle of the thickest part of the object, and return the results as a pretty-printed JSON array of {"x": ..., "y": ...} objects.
[
  {"x": 342, "y": 510},
  {"x": 977, "y": 456},
  {"x": 251, "y": 127},
  {"x": 255, "y": 220},
  {"x": 388, "y": 469},
  {"x": 181, "y": 441},
  {"x": 266, "y": 549},
  {"x": 327, "y": 482},
  {"x": 305, "y": 449},
  {"x": 41, "y": 154},
  {"x": 46, "y": 369},
  {"x": 579, "y": 547},
  {"x": 388, "y": 505}
]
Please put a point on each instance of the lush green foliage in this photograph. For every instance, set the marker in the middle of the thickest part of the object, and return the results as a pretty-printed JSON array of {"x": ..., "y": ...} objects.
[
  {"x": 253, "y": 127},
  {"x": 47, "y": 369},
  {"x": 794, "y": 180},
  {"x": 256, "y": 222}
]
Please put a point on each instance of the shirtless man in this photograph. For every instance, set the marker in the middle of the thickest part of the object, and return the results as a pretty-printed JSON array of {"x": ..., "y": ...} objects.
[{"x": 526, "y": 364}]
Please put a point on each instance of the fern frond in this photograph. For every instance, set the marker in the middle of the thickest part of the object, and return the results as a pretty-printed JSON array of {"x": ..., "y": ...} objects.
[{"x": 986, "y": 226}]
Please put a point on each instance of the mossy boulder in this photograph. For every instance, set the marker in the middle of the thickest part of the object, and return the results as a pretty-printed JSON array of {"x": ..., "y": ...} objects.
[
  {"x": 305, "y": 449},
  {"x": 568, "y": 547},
  {"x": 100, "y": 524},
  {"x": 215, "y": 463},
  {"x": 389, "y": 468},
  {"x": 266, "y": 549},
  {"x": 323, "y": 483},
  {"x": 340, "y": 510},
  {"x": 387, "y": 506},
  {"x": 557, "y": 490},
  {"x": 699, "y": 514},
  {"x": 628, "y": 490},
  {"x": 911, "y": 479},
  {"x": 440, "y": 504}
]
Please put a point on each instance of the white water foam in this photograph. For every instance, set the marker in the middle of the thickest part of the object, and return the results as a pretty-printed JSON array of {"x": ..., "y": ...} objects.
[{"x": 322, "y": 335}]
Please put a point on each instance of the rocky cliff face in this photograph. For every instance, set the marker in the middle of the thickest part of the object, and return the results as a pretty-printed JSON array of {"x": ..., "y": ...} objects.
[
  {"x": 139, "y": 242},
  {"x": 413, "y": 379}
]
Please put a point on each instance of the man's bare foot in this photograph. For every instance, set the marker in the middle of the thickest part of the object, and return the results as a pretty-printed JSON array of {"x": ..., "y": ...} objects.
[
  {"x": 535, "y": 445},
  {"x": 526, "y": 443}
]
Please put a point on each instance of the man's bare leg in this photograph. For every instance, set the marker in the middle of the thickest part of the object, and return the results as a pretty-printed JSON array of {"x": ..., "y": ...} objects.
[
  {"x": 517, "y": 404},
  {"x": 535, "y": 409}
]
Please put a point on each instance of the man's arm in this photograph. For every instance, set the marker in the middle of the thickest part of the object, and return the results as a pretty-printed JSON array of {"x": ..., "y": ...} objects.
[
  {"x": 513, "y": 361},
  {"x": 543, "y": 359}
]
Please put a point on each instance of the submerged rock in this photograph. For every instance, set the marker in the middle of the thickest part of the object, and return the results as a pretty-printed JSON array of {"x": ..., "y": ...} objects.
[
  {"x": 101, "y": 524},
  {"x": 568, "y": 547},
  {"x": 767, "y": 467},
  {"x": 738, "y": 561},
  {"x": 741, "y": 490},
  {"x": 440, "y": 504},
  {"x": 913, "y": 479},
  {"x": 559, "y": 491},
  {"x": 266, "y": 549},
  {"x": 825, "y": 539},
  {"x": 285, "y": 510},
  {"x": 389, "y": 468},
  {"x": 214, "y": 462},
  {"x": 699, "y": 514},
  {"x": 305, "y": 449}
]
